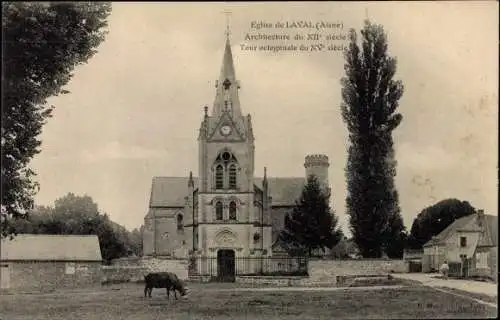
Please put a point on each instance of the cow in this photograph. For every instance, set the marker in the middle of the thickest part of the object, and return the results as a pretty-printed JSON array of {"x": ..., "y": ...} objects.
[{"x": 167, "y": 280}]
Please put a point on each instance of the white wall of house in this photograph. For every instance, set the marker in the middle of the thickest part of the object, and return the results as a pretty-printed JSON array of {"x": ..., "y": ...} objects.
[{"x": 454, "y": 248}]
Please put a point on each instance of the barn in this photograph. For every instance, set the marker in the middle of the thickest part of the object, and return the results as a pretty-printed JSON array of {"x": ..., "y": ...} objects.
[{"x": 49, "y": 262}]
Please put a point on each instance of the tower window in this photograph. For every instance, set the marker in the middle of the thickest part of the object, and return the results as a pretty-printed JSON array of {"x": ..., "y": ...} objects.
[
  {"x": 232, "y": 177},
  {"x": 180, "y": 222},
  {"x": 219, "y": 177},
  {"x": 218, "y": 211},
  {"x": 226, "y": 156},
  {"x": 232, "y": 210},
  {"x": 226, "y": 84}
]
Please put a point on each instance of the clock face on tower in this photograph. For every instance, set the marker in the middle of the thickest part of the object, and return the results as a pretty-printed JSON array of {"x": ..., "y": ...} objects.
[{"x": 225, "y": 130}]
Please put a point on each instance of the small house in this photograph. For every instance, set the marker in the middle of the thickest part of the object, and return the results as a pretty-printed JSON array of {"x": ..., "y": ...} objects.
[
  {"x": 469, "y": 245},
  {"x": 48, "y": 262}
]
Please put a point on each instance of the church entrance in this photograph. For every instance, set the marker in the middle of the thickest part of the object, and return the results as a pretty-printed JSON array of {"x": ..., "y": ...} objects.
[{"x": 226, "y": 266}]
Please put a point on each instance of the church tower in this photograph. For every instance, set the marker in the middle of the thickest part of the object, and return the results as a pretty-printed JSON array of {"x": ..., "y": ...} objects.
[
  {"x": 225, "y": 216},
  {"x": 317, "y": 165}
]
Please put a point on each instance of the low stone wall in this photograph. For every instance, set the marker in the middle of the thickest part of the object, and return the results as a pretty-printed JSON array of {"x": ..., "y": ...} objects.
[
  {"x": 117, "y": 274},
  {"x": 321, "y": 272},
  {"x": 177, "y": 266},
  {"x": 272, "y": 280},
  {"x": 327, "y": 271},
  {"x": 128, "y": 271}
]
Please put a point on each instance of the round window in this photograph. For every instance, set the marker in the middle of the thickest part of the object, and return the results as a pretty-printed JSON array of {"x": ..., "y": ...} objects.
[{"x": 226, "y": 156}]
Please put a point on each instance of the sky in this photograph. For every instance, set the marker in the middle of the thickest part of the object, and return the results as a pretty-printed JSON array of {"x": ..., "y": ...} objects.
[{"x": 135, "y": 107}]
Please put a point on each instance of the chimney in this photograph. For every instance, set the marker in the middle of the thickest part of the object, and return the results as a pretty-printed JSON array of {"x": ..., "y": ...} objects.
[{"x": 480, "y": 217}]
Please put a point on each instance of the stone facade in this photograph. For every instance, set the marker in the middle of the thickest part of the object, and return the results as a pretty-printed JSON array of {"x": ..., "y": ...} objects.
[{"x": 226, "y": 207}]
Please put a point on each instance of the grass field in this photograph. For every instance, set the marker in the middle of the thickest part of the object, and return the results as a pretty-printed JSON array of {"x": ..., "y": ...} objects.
[{"x": 126, "y": 302}]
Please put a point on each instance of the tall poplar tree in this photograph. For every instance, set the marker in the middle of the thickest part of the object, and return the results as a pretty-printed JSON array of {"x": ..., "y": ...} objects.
[{"x": 369, "y": 109}]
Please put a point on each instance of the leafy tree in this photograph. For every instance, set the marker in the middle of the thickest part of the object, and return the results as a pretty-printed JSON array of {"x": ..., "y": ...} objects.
[
  {"x": 312, "y": 224},
  {"x": 136, "y": 240},
  {"x": 79, "y": 215},
  {"x": 42, "y": 43},
  {"x": 434, "y": 219},
  {"x": 370, "y": 99},
  {"x": 396, "y": 247}
]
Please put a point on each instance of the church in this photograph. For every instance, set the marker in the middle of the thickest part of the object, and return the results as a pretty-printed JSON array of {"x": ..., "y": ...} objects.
[{"x": 226, "y": 209}]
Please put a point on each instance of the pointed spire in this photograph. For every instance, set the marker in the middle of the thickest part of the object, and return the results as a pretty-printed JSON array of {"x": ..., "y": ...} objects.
[
  {"x": 264, "y": 181},
  {"x": 227, "y": 70},
  {"x": 227, "y": 86},
  {"x": 190, "y": 181},
  {"x": 228, "y": 30}
]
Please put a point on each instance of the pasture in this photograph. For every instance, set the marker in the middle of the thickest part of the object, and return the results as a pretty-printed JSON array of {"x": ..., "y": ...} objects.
[{"x": 228, "y": 301}]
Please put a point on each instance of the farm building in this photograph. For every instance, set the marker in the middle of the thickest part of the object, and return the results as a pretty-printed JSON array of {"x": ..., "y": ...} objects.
[
  {"x": 47, "y": 262},
  {"x": 469, "y": 245}
]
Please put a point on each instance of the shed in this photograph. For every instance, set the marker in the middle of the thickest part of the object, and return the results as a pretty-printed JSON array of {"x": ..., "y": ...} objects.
[{"x": 49, "y": 262}]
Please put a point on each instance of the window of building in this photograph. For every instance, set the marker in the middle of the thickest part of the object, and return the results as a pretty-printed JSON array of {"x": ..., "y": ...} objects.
[
  {"x": 232, "y": 177},
  {"x": 226, "y": 156},
  {"x": 180, "y": 222},
  {"x": 232, "y": 210},
  {"x": 70, "y": 268},
  {"x": 287, "y": 220},
  {"x": 218, "y": 211},
  {"x": 481, "y": 260},
  {"x": 219, "y": 177},
  {"x": 463, "y": 242}
]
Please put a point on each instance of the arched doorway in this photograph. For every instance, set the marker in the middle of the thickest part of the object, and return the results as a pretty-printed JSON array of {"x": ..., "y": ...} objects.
[{"x": 226, "y": 266}]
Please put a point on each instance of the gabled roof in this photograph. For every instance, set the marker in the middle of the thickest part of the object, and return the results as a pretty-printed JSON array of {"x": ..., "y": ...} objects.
[
  {"x": 470, "y": 223},
  {"x": 284, "y": 191},
  {"x": 171, "y": 191},
  {"x": 51, "y": 247},
  {"x": 490, "y": 237}
]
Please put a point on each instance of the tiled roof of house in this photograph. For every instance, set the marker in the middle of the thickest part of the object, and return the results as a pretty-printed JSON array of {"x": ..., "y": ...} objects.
[
  {"x": 491, "y": 228},
  {"x": 170, "y": 191},
  {"x": 491, "y": 234},
  {"x": 51, "y": 247}
]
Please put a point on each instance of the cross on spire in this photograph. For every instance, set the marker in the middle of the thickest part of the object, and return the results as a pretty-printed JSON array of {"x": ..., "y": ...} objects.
[{"x": 228, "y": 31}]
